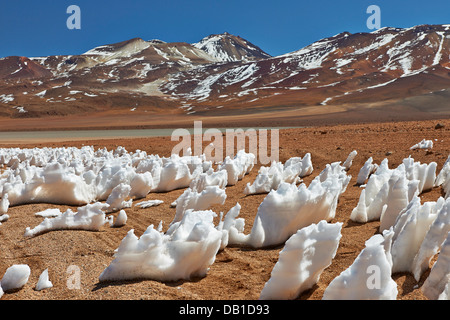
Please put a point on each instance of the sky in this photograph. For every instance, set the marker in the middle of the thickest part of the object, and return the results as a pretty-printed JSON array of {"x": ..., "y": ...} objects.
[{"x": 39, "y": 28}]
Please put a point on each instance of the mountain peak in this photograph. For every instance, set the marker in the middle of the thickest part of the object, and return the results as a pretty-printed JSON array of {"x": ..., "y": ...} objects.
[{"x": 226, "y": 47}]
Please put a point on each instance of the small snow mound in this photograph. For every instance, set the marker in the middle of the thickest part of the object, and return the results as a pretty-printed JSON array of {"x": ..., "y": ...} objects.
[
  {"x": 43, "y": 282},
  {"x": 424, "y": 144},
  {"x": 15, "y": 277}
]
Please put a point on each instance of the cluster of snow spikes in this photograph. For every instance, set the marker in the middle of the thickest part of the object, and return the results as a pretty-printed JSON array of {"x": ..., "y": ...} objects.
[
  {"x": 185, "y": 251},
  {"x": 77, "y": 177},
  {"x": 299, "y": 217},
  {"x": 269, "y": 178},
  {"x": 388, "y": 191},
  {"x": 419, "y": 233},
  {"x": 237, "y": 167},
  {"x": 289, "y": 208}
]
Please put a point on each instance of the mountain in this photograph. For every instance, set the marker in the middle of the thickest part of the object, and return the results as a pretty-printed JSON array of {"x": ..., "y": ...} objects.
[
  {"x": 225, "y": 74},
  {"x": 227, "y": 48},
  {"x": 21, "y": 68}
]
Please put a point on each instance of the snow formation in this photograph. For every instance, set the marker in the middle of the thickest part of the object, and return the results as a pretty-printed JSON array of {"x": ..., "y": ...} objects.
[
  {"x": 410, "y": 229},
  {"x": 79, "y": 176},
  {"x": 185, "y": 251},
  {"x": 388, "y": 191},
  {"x": 366, "y": 170},
  {"x": 44, "y": 282},
  {"x": 238, "y": 166},
  {"x": 433, "y": 240},
  {"x": 149, "y": 203},
  {"x": 438, "y": 281},
  {"x": 191, "y": 199},
  {"x": 369, "y": 277},
  {"x": 443, "y": 179},
  {"x": 424, "y": 144},
  {"x": 304, "y": 257},
  {"x": 15, "y": 277},
  {"x": 290, "y": 208},
  {"x": 349, "y": 161},
  {"x": 269, "y": 178},
  {"x": 89, "y": 217}
]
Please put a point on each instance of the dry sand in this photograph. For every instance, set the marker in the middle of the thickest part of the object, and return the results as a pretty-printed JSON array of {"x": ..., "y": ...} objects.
[{"x": 238, "y": 272}]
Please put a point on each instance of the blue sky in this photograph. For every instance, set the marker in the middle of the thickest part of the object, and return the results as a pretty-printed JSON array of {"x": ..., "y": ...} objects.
[{"x": 38, "y": 28}]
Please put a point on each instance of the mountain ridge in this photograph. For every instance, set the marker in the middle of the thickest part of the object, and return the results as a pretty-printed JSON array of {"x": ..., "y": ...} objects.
[{"x": 225, "y": 73}]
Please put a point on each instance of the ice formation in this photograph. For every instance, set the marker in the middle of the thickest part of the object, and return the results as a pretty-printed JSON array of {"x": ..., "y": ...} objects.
[
  {"x": 191, "y": 199},
  {"x": 149, "y": 203},
  {"x": 90, "y": 217},
  {"x": 4, "y": 204},
  {"x": 52, "y": 184},
  {"x": 15, "y": 277},
  {"x": 445, "y": 294},
  {"x": 410, "y": 229},
  {"x": 121, "y": 219},
  {"x": 269, "y": 178},
  {"x": 424, "y": 144},
  {"x": 177, "y": 172},
  {"x": 238, "y": 166},
  {"x": 48, "y": 213},
  {"x": 349, "y": 161},
  {"x": 210, "y": 178},
  {"x": 185, "y": 251},
  {"x": 289, "y": 208},
  {"x": 3, "y": 218},
  {"x": 43, "y": 282},
  {"x": 366, "y": 170},
  {"x": 116, "y": 200},
  {"x": 443, "y": 179},
  {"x": 78, "y": 176},
  {"x": 389, "y": 190},
  {"x": 368, "y": 278},
  {"x": 301, "y": 262},
  {"x": 438, "y": 281},
  {"x": 433, "y": 239}
]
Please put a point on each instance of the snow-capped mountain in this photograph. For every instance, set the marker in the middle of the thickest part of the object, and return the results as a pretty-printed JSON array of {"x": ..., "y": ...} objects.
[
  {"x": 391, "y": 65},
  {"x": 227, "y": 48}
]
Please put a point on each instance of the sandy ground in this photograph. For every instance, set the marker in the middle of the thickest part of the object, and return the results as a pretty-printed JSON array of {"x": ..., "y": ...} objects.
[{"x": 238, "y": 272}]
